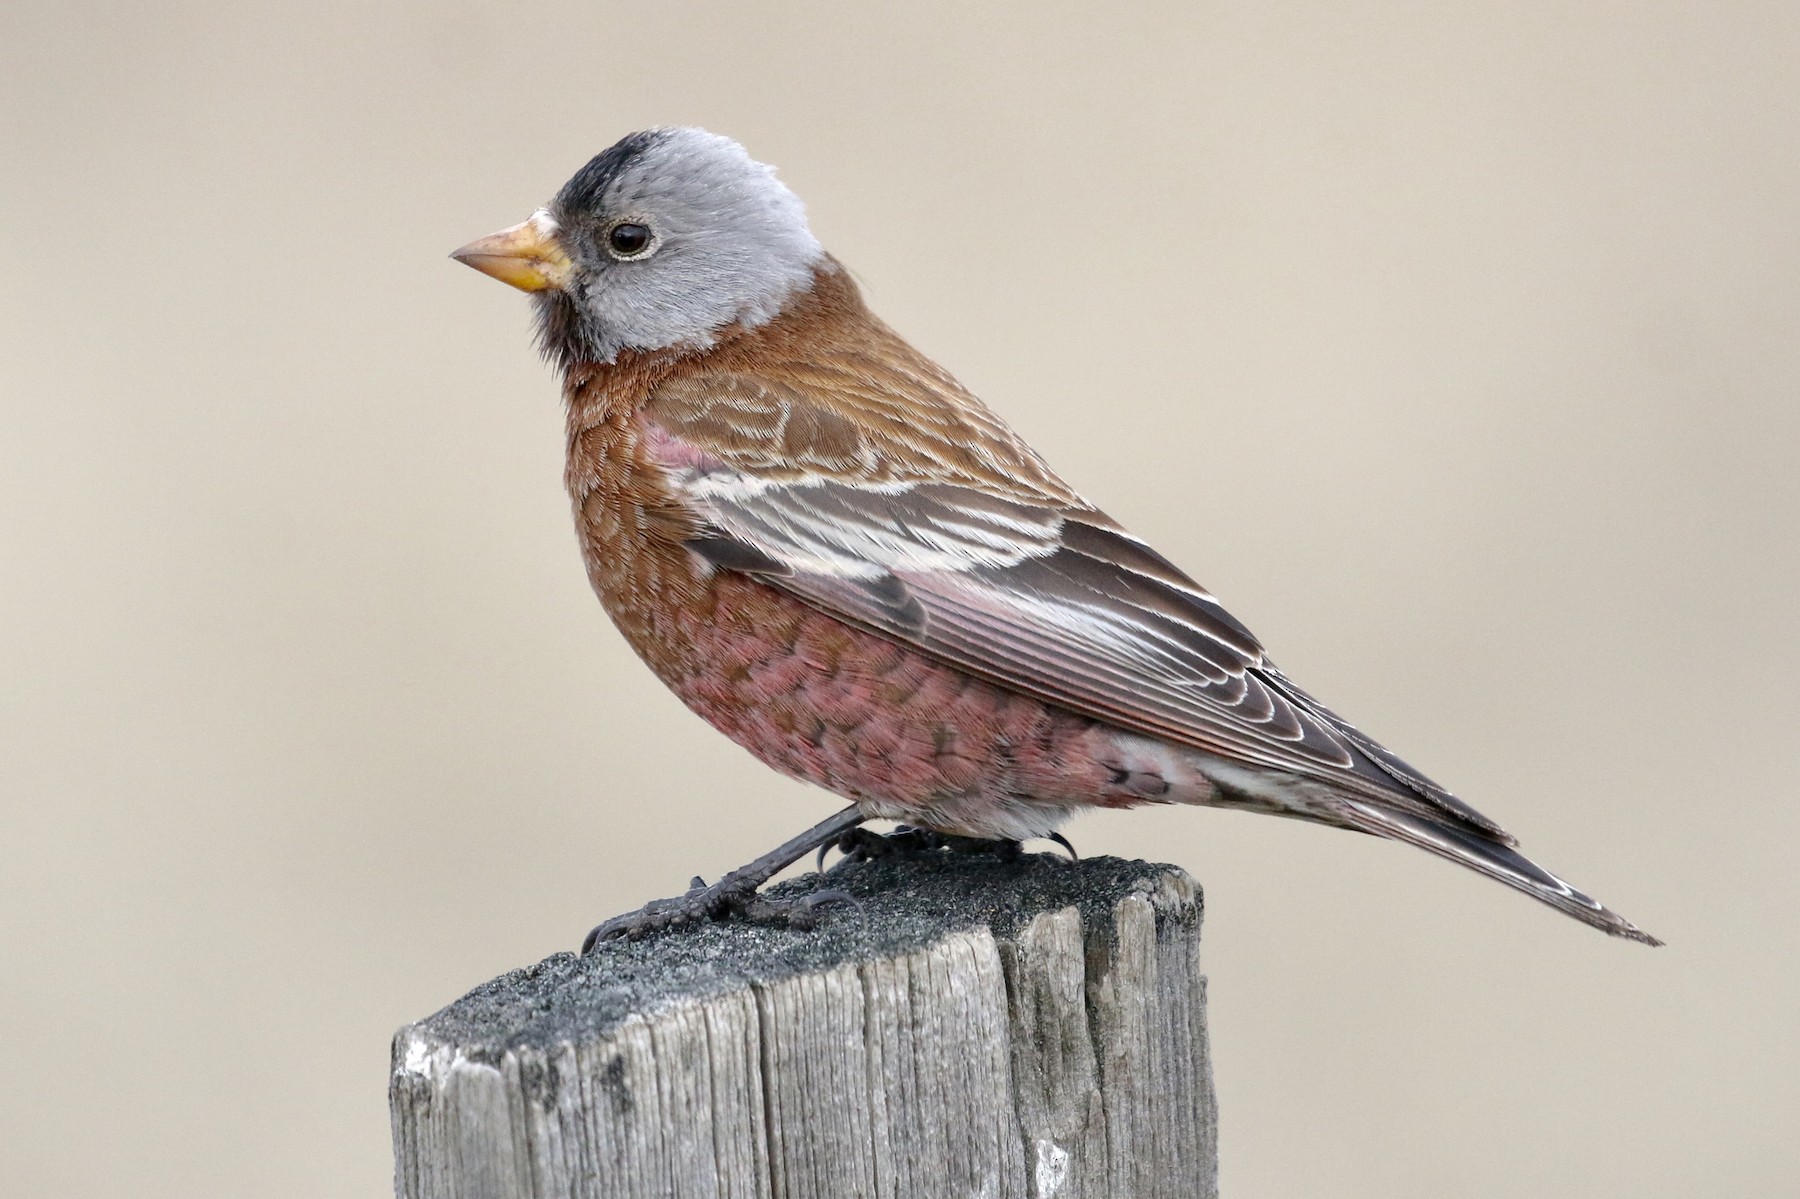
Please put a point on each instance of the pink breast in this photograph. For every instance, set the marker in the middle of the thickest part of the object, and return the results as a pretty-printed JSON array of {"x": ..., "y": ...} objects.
[{"x": 884, "y": 725}]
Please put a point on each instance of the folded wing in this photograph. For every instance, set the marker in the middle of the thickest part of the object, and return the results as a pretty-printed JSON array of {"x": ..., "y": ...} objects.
[{"x": 1021, "y": 584}]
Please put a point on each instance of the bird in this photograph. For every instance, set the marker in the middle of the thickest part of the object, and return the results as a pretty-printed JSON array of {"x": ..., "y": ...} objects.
[{"x": 839, "y": 557}]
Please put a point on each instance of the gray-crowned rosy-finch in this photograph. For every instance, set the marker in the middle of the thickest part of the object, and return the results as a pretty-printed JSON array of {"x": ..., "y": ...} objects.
[{"x": 848, "y": 565}]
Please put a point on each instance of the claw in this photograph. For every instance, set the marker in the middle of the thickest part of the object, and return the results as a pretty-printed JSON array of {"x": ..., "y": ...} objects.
[
  {"x": 861, "y": 845},
  {"x": 716, "y": 903},
  {"x": 604, "y": 931},
  {"x": 805, "y": 913},
  {"x": 735, "y": 893}
]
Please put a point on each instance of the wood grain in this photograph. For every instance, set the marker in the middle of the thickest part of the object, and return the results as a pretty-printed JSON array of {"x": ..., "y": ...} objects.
[{"x": 1031, "y": 1028}]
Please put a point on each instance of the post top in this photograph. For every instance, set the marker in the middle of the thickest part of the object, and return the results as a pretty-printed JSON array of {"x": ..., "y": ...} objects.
[{"x": 903, "y": 904}]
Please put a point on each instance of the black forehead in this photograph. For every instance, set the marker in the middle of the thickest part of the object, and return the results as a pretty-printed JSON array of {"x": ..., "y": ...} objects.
[{"x": 583, "y": 193}]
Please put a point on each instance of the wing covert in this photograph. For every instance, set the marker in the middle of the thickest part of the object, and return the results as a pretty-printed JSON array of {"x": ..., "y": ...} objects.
[{"x": 1025, "y": 586}]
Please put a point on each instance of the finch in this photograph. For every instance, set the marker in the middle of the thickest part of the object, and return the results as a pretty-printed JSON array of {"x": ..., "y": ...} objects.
[{"x": 845, "y": 562}]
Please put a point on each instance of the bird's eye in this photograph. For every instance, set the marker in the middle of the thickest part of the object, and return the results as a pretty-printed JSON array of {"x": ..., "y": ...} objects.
[{"x": 628, "y": 240}]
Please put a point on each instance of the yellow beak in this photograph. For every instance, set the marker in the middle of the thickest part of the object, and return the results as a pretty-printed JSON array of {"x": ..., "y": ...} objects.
[{"x": 526, "y": 255}]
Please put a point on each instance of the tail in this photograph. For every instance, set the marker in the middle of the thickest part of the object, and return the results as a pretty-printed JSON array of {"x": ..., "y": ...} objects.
[{"x": 1471, "y": 847}]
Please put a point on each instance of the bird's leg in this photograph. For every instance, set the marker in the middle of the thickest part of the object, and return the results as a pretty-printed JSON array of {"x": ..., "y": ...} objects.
[{"x": 736, "y": 892}]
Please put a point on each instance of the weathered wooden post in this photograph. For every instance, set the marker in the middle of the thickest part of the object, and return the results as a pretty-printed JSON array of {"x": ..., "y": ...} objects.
[{"x": 1034, "y": 1027}]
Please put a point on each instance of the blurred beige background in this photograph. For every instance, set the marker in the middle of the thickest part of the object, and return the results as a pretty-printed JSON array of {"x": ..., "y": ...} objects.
[{"x": 1456, "y": 346}]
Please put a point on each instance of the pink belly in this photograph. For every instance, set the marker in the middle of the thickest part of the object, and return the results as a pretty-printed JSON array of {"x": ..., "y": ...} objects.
[{"x": 902, "y": 735}]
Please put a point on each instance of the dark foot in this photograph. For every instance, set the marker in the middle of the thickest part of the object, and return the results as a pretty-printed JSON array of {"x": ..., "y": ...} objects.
[
  {"x": 736, "y": 893},
  {"x": 864, "y": 845},
  {"x": 726, "y": 899},
  {"x": 861, "y": 845}
]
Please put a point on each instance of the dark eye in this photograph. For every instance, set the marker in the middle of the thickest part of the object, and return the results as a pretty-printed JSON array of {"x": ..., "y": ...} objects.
[{"x": 629, "y": 240}]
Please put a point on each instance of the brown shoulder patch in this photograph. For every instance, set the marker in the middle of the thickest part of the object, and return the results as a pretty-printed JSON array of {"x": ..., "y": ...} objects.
[{"x": 827, "y": 389}]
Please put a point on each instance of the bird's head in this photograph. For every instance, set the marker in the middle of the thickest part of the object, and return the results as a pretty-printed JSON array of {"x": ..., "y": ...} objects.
[{"x": 663, "y": 240}]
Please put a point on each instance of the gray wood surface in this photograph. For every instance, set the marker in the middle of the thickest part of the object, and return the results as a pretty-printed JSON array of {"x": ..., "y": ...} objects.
[{"x": 972, "y": 1028}]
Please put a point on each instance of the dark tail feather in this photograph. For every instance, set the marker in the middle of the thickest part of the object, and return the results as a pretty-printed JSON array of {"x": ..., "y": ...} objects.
[{"x": 1471, "y": 848}]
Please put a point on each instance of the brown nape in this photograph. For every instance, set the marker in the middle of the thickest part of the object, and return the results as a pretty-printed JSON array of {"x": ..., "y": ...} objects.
[{"x": 850, "y": 393}]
